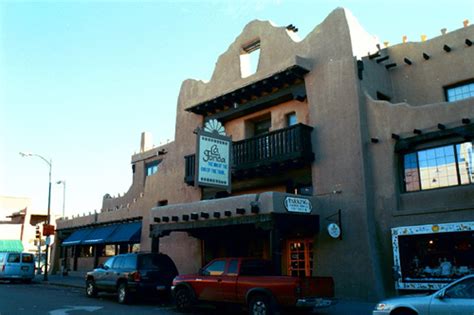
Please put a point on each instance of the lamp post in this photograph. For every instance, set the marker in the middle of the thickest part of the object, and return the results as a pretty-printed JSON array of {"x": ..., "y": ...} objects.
[
  {"x": 50, "y": 164},
  {"x": 63, "y": 182}
]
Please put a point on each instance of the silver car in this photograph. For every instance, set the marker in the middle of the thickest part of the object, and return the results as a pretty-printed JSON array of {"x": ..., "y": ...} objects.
[{"x": 456, "y": 298}]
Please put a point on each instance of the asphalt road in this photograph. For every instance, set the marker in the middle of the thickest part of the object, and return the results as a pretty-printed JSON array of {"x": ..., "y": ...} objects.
[{"x": 39, "y": 298}]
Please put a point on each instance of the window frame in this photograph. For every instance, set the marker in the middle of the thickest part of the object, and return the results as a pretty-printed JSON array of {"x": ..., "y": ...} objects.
[
  {"x": 151, "y": 166},
  {"x": 454, "y": 86},
  {"x": 431, "y": 146}
]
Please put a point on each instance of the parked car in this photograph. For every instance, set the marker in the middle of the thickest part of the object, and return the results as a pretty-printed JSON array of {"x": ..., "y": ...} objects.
[
  {"x": 17, "y": 266},
  {"x": 456, "y": 298},
  {"x": 130, "y": 275},
  {"x": 252, "y": 283}
]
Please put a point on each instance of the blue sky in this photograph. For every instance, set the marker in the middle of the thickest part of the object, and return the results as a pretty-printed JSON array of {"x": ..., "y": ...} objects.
[{"x": 80, "y": 80}]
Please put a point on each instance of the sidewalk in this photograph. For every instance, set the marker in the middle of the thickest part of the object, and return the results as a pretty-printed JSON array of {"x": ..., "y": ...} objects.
[{"x": 74, "y": 279}]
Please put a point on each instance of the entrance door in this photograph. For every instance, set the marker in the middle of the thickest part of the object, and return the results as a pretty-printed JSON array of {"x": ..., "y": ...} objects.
[{"x": 300, "y": 257}]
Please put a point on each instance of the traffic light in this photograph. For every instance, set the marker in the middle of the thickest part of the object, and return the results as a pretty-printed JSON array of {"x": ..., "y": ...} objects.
[{"x": 38, "y": 233}]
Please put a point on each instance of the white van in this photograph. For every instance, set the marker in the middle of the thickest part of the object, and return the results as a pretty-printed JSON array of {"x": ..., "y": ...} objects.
[{"x": 17, "y": 266}]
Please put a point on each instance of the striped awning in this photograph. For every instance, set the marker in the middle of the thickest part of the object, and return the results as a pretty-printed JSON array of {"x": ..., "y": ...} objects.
[{"x": 11, "y": 246}]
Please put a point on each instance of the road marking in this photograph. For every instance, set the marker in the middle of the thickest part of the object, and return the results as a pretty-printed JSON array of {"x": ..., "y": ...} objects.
[{"x": 63, "y": 311}]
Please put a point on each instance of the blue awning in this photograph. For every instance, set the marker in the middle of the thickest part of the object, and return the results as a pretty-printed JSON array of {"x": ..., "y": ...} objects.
[
  {"x": 99, "y": 235},
  {"x": 108, "y": 234},
  {"x": 127, "y": 232},
  {"x": 76, "y": 237}
]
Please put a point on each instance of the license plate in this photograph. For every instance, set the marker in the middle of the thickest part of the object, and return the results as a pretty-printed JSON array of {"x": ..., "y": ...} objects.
[{"x": 25, "y": 268}]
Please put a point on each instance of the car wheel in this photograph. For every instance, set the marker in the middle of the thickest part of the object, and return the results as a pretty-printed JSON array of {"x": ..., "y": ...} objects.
[
  {"x": 261, "y": 305},
  {"x": 123, "y": 294},
  {"x": 403, "y": 311},
  {"x": 27, "y": 280},
  {"x": 183, "y": 299},
  {"x": 91, "y": 288}
]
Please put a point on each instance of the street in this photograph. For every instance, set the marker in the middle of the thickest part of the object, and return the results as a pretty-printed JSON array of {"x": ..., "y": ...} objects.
[{"x": 40, "y": 298}]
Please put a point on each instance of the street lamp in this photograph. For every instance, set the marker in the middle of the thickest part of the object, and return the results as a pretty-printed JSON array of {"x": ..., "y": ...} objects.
[
  {"x": 59, "y": 182},
  {"x": 50, "y": 164}
]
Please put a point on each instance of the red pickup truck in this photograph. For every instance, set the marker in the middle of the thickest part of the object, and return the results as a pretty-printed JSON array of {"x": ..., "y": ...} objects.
[{"x": 253, "y": 283}]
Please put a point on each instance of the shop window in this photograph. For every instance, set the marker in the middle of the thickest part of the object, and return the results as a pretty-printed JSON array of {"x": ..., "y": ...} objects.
[
  {"x": 438, "y": 167},
  {"x": 436, "y": 257},
  {"x": 249, "y": 59},
  {"x": 86, "y": 251},
  {"x": 110, "y": 250},
  {"x": 135, "y": 248},
  {"x": 300, "y": 258},
  {"x": 459, "y": 91},
  {"x": 152, "y": 167},
  {"x": 291, "y": 119}
]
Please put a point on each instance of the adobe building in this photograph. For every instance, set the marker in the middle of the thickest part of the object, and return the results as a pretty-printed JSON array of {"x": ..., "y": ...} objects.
[{"x": 332, "y": 157}]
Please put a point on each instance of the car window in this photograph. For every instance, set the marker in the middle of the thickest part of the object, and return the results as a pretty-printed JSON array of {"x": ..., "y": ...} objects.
[
  {"x": 461, "y": 290},
  {"x": 233, "y": 267},
  {"x": 129, "y": 262},
  {"x": 14, "y": 258},
  {"x": 216, "y": 268},
  {"x": 108, "y": 264},
  {"x": 27, "y": 258},
  {"x": 118, "y": 262}
]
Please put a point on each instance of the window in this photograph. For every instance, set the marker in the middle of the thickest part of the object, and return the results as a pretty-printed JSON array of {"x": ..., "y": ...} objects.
[
  {"x": 152, "y": 167},
  {"x": 249, "y": 58},
  {"x": 461, "y": 290},
  {"x": 233, "y": 267},
  {"x": 444, "y": 166},
  {"x": 262, "y": 126},
  {"x": 460, "y": 92},
  {"x": 27, "y": 258},
  {"x": 109, "y": 250},
  {"x": 215, "y": 269},
  {"x": 14, "y": 258},
  {"x": 291, "y": 119},
  {"x": 300, "y": 258},
  {"x": 108, "y": 264}
]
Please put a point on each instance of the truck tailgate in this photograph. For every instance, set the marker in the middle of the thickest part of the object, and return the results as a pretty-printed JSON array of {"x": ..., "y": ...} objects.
[{"x": 317, "y": 286}]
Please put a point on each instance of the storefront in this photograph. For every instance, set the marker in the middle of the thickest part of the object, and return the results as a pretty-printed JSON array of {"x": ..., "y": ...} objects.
[
  {"x": 426, "y": 257},
  {"x": 85, "y": 248},
  {"x": 276, "y": 226}
]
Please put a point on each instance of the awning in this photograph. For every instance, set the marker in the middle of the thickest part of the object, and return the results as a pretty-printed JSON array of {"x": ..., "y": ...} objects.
[
  {"x": 107, "y": 234},
  {"x": 99, "y": 235},
  {"x": 76, "y": 237},
  {"x": 11, "y": 246},
  {"x": 129, "y": 232}
]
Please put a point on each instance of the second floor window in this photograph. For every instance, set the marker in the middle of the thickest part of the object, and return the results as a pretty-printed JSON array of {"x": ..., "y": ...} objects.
[
  {"x": 291, "y": 119},
  {"x": 438, "y": 167},
  {"x": 460, "y": 92},
  {"x": 152, "y": 167}
]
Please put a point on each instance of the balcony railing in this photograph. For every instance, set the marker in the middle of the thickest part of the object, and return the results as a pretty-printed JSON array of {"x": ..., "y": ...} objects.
[{"x": 286, "y": 147}]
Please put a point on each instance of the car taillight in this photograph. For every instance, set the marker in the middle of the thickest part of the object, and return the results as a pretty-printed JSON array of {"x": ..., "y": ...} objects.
[
  {"x": 3, "y": 268},
  {"x": 136, "y": 276}
]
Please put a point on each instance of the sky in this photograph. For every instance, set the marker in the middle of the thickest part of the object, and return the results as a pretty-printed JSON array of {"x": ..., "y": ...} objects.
[{"x": 80, "y": 80}]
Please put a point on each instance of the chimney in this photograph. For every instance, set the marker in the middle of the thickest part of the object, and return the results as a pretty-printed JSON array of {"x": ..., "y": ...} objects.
[{"x": 146, "y": 141}]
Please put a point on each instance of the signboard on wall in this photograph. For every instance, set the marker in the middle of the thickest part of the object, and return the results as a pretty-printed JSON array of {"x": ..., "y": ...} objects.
[{"x": 213, "y": 160}]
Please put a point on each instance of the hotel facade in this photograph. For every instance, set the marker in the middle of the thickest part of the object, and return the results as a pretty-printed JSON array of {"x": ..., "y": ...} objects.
[{"x": 329, "y": 155}]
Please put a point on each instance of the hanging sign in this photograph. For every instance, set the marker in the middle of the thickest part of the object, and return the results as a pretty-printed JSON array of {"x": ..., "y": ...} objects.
[
  {"x": 293, "y": 204},
  {"x": 213, "y": 159}
]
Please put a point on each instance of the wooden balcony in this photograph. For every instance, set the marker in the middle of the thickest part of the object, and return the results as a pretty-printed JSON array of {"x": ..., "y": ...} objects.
[{"x": 270, "y": 153}]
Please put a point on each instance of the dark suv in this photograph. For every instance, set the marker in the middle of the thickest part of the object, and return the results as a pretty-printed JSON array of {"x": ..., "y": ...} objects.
[{"x": 133, "y": 274}]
